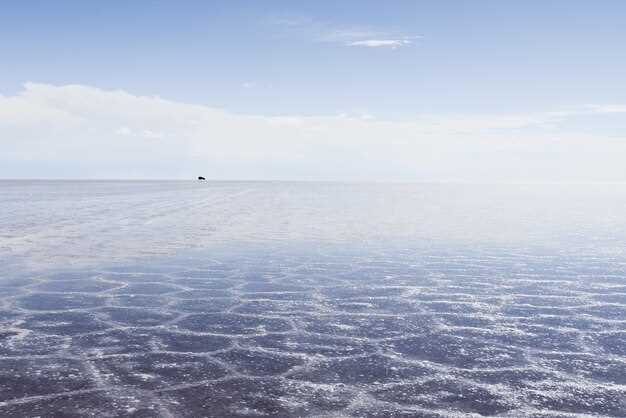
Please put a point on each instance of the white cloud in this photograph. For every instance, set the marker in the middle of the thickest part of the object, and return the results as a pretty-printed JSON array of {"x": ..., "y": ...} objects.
[
  {"x": 124, "y": 131},
  {"x": 608, "y": 108},
  {"x": 343, "y": 35},
  {"x": 377, "y": 43},
  {"x": 76, "y": 131}
]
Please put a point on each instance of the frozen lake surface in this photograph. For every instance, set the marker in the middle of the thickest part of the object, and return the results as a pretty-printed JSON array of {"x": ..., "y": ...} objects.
[{"x": 168, "y": 299}]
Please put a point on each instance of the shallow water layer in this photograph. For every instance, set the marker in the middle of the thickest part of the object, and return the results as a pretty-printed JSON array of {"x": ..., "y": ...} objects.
[{"x": 372, "y": 327}]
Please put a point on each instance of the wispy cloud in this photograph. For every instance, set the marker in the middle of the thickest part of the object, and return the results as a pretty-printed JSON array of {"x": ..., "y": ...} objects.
[
  {"x": 345, "y": 35},
  {"x": 607, "y": 108},
  {"x": 381, "y": 43}
]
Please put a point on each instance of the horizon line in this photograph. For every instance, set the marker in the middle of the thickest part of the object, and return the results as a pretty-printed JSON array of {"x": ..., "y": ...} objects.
[{"x": 354, "y": 181}]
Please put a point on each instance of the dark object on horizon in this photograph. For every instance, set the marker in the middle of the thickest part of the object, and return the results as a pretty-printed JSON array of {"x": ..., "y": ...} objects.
[{"x": 201, "y": 178}]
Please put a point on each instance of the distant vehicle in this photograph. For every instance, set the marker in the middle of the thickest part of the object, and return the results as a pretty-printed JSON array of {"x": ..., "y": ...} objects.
[{"x": 201, "y": 178}]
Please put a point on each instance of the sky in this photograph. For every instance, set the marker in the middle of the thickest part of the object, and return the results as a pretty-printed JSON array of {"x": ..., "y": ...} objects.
[{"x": 529, "y": 91}]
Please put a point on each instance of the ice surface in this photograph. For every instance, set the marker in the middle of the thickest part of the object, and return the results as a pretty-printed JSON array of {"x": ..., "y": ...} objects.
[{"x": 181, "y": 299}]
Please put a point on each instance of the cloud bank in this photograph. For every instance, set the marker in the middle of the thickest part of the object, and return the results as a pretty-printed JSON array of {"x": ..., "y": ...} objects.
[{"x": 75, "y": 131}]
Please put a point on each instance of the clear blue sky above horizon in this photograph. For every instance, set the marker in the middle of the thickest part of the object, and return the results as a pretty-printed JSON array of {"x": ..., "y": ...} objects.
[{"x": 391, "y": 60}]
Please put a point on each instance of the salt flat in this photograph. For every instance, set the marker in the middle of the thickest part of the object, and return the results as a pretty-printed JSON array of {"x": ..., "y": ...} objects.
[{"x": 311, "y": 299}]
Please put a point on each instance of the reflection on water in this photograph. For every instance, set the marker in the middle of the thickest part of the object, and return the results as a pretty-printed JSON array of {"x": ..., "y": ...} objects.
[{"x": 306, "y": 326}]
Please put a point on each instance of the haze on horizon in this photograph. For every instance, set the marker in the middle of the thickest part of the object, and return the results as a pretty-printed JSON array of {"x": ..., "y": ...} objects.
[{"x": 413, "y": 91}]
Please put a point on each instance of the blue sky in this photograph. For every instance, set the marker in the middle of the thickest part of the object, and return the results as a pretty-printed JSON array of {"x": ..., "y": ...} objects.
[
  {"x": 394, "y": 61},
  {"x": 490, "y": 55}
]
